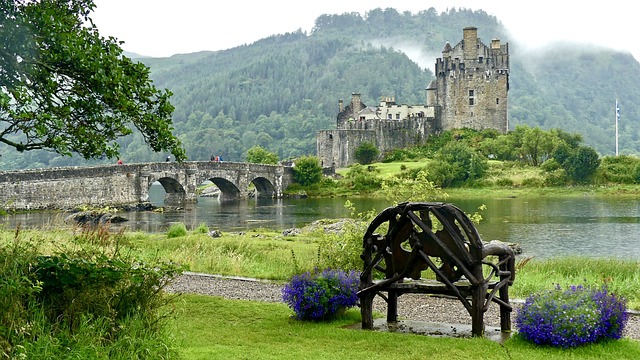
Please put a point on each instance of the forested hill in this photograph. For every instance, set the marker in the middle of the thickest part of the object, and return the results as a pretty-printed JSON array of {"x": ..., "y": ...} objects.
[{"x": 279, "y": 91}]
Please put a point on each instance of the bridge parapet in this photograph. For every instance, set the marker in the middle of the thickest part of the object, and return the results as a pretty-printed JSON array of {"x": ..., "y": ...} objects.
[{"x": 68, "y": 187}]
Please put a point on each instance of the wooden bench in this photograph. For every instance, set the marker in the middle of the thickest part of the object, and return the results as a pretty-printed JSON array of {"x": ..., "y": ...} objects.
[{"x": 439, "y": 237}]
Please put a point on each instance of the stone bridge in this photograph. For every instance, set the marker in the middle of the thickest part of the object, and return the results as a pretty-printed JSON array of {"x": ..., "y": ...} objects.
[{"x": 110, "y": 185}]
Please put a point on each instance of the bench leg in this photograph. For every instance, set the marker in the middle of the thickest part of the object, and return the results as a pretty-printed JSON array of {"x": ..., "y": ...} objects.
[
  {"x": 366, "y": 310},
  {"x": 392, "y": 309},
  {"x": 477, "y": 315},
  {"x": 505, "y": 312}
]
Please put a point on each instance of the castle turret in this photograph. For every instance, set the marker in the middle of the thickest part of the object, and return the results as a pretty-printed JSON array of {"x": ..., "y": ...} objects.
[
  {"x": 431, "y": 93},
  {"x": 472, "y": 83},
  {"x": 495, "y": 44},
  {"x": 470, "y": 43},
  {"x": 356, "y": 104}
]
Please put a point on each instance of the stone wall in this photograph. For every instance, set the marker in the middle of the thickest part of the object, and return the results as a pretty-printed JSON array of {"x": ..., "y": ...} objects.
[
  {"x": 469, "y": 91},
  {"x": 61, "y": 188},
  {"x": 112, "y": 185},
  {"x": 337, "y": 147}
]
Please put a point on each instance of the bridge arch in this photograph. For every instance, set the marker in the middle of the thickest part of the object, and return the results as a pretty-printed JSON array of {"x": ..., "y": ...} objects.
[
  {"x": 228, "y": 190},
  {"x": 114, "y": 185},
  {"x": 175, "y": 192},
  {"x": 264, "y": 187}
]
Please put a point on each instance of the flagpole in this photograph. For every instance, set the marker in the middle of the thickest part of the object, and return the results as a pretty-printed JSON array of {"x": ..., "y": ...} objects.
[{"x": 617, "y": 117}]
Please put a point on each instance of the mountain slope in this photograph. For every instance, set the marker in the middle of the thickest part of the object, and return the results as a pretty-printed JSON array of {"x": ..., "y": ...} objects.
[{"x": 279, "y": 91}]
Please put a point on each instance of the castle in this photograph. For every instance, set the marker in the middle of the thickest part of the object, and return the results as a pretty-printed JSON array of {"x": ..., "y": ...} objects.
[{"x": 469, "y": 91}]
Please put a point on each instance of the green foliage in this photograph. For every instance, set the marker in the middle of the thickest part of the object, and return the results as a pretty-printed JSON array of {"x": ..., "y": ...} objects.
[
  {"x": 260, "y": 155},
  {"x": 342, "y": 249},
  {"x": 68, "y": 90},
  {"x": 366, "y": 153},
  {"x": 456, "y": 163},
  {"x": 83, "y": 301},
  {"x": 411, "y": 185},
  {"x": 307, "y": 170},
  {"x": 202, "y": 229},
  {"x": 556, "y": 177},
  {"x": 581, "y": 167},
  {"x": 321, "y": 295},
  {"x": 397, "y": 155},
  {"x": 504, "y": 182},
  {"x": 618, "y": 169},
  {"x": 573, "y": 317},
  {"x": 177, "y": 230},
  {"x": 362, "y": 178}
]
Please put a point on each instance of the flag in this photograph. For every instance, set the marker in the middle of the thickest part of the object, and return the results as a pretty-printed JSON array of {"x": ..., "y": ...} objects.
[{"x": 617, "y": 119}]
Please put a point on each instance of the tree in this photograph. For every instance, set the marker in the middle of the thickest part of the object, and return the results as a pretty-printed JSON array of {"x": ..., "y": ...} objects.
[
  {"x": 366, "y": 152},
  {"x": 260, "y": 155},
  {"x": 582, "y": 166},
  {"x": 307, "y": 170},
  {"x": 66, "y": 89},
  {"x": 456, "y": 163},
  {"x": 537, "y": 145}
]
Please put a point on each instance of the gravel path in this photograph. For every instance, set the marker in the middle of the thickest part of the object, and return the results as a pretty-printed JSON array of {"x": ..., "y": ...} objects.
[{"x": 420, "y": 308}]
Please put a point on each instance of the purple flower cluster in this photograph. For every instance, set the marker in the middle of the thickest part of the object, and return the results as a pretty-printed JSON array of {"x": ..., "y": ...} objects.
[
  {"x": 572, "y": 317},
  {"x": 319, "y": 295}
]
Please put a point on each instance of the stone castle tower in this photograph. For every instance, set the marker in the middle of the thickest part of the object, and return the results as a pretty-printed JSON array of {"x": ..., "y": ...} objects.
[
  {"x": 469, "y": 91},
  {"x": 471, "y": 85}
]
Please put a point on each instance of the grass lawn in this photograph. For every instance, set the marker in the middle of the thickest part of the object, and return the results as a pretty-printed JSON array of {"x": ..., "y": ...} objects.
[{"x": 214, "y": 328}]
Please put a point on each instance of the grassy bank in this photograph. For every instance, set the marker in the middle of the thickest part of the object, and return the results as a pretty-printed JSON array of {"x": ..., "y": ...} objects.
[
  {"x": 215, "y": 328},
  {"x": 270, "y": 255},
  {"x": 503, "y": 179}
]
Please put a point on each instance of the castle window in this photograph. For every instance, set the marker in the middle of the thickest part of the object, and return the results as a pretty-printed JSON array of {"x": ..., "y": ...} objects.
[
  {"x": 471, "y": 101},
  {"x": 389, "y": 116},
  {"x": 480, "y": 59},
  {"x": 397, "y": 116},
  {"x": 330, "y": 136},
  {"x": 497, "y": 101},
  {"x": 470, "y": 93}
]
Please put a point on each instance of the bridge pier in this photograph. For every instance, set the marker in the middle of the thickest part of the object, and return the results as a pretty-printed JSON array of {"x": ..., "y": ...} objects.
[{"x": 113, "y": 185}]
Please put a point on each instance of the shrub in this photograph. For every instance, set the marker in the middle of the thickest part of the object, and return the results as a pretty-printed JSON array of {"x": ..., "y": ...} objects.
[
  {"x": 319, "y": 296},
  {"x": 556, "y": 178},
  {"x": 366, "y": 153},
  {"x": 260, "y": 155},
  {"x": 85, "y": 299},
  {"x": 504, "y": 182},
  {"x": 202, "y": 229},
  {"x": 307, "y": 170},
  {"x": 572, "y": 317},
  {"x": 177, "y": 230},
  {"x": 533, "y": 182},
  {"x": 617, "y": 169},
  {"x": 359, "y": 178}
]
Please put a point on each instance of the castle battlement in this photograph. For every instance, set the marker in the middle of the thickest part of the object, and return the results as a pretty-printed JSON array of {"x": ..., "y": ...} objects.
[{"x": 469, "y": 91}]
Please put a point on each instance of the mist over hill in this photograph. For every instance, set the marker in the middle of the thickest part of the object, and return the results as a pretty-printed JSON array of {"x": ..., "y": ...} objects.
[{"x": 279, "y": 91}]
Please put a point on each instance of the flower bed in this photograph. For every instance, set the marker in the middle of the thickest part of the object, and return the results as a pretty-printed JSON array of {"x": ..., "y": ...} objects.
[
  {"x": 320, "y": 295},
  {"x": 572, "y": 317}
]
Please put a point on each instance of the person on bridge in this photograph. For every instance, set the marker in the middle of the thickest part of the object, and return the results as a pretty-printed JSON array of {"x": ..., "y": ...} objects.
[
  {"x": 119, "y": 161},
  {"x": 168, "y": 158}
]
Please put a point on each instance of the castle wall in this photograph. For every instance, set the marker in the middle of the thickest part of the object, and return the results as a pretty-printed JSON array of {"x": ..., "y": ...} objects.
[
  {"x": 470, "y": 91},
  {"x": 472, "y": 81},
  {"x": 338, "y": 146}
]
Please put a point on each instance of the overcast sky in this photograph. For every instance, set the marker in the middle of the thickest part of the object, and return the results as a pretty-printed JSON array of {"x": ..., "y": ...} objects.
[{"x": 162, "y": 28}]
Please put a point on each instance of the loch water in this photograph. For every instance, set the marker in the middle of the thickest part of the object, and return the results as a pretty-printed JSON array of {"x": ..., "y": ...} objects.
[{"x": 544, "y": 227}]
